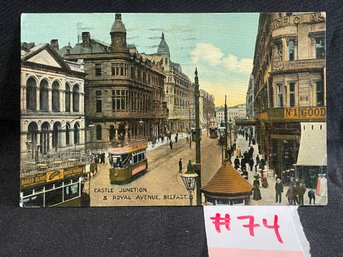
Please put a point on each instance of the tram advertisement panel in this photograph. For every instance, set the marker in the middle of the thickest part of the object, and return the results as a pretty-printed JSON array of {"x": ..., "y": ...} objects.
[{"x": 142, "y": 109}]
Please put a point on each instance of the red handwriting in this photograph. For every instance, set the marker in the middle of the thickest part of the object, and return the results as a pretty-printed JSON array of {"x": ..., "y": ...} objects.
[
  {"x": 251, "y": 224},
  {"x": 219, "y": 221}
]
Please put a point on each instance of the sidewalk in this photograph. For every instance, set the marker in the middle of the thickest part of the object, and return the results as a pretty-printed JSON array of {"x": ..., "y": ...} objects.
[
  {"x": 268, "y": 194},
  {"x": 158, "y": 143}
]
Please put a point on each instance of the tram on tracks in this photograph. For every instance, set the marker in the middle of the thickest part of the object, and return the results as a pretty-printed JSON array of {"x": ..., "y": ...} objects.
[
  {"x": 127, "y": 162},
  {"x": 213, "y": 131}
]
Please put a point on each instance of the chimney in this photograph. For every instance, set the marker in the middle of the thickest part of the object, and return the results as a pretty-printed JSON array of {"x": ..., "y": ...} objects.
[
  {"x": 54, "y": 44},
  {"x": 86, "y": 39}
]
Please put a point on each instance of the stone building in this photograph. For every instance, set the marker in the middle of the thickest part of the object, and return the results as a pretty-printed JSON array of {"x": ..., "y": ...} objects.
[
  {"x": 125, "y": 98},
  {"x": 206, "y": 108},
  {"x": 178, "y": 89},
  {"x": 289, "y": 87},
  {"x": 52, "y": 138}
]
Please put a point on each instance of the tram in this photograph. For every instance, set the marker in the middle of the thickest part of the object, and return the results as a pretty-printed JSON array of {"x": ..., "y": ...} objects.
[
  {"x": 127, "y": 162},
  {"x": 213, "y": 131}
]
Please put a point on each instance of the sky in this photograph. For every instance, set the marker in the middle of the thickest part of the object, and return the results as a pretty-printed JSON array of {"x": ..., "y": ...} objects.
[{"x": 220, "y": 45}]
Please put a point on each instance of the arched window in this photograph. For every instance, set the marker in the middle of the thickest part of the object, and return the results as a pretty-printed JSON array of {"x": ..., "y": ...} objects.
[
  {"x": 32, "y": 137},
  {"x": 77, "y": 133},
  {"x": 31, "y": 95},
  {"x": 44, "y": 138},
  {"x": 98, "y": 132},
  {"x": 76, "y": 99},
  {"x": 56, "y": 138},
  {"x": 43, "y": 95},
  {"x": 111, "y": 132},
  {"x": 55, "y": 97},
  {"x": 67, "y": 98},
  {"x": 68, "y": 134}
]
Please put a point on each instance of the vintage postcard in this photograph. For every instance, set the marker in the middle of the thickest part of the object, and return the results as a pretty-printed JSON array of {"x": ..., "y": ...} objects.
[{"x": 133, "y": 109}]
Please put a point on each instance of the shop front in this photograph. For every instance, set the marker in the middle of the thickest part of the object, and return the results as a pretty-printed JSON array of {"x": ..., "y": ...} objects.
[
  {"x": 62, "y": 187},
  {"x": 312, "y": 157}
]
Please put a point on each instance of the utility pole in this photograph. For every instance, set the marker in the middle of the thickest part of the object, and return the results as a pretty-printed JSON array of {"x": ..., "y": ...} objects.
[
  {"x": 225, "y": 134},
  {"x": 197, "y": 168}
]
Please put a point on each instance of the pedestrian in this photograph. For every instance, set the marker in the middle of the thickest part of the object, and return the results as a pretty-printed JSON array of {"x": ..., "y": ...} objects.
[
  {"x": 311, "y": 196},
  {"x": 289, "y": 195},
  {"x": 180, "y": 165},
  {"x": 171, "y": 144},
  {"x": 257, "y": 161},
  {"x": 278, "y": 190},
  {"x": 236, "y": 163},
  {"x": 176, "y": 137},
  {"x": 301, "y": 191},
  {"x": 264, "y": 179},
  {"x": 238, "y": 152},
  {"x": 256, "y": 189},
  {"x": 251, "y": 164},
  {"x": 262, "y": 164}
]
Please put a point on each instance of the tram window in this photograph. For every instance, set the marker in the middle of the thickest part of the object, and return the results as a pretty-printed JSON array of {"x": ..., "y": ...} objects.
[
  {"x": 48, "y": 187},
  {"x": 36, "y": 200},
  {"x": 71, "y": 191},
  {"x": 53, "y": 197},
  {"x": 67, "y": 182},
  {"x": 135, "y": 159},
  {"x": 27, "y": 192}
]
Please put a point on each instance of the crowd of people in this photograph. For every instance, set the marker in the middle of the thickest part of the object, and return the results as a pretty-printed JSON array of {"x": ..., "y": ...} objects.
[{"x": 294, "y": 191}]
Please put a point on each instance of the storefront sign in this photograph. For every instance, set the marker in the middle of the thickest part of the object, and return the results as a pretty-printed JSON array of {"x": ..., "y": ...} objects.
[
  {"x": 33, "y": 180},
  {"x": 68, "y": 172},
  {"x": 50, "y": 176},
  {"x": 305, "y": 113},
  {"x": 54, "y": 175}
]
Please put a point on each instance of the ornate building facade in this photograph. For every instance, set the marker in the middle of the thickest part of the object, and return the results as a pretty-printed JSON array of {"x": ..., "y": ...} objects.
[
  {"x": 125, "y": 97},
  {"x": 178, "y": 89},
  {"x": 52, "y": 121},
  {"x": 289, "y": 85}
]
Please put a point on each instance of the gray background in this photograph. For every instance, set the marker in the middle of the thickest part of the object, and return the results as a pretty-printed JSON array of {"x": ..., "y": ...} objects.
[{"x": 147, "y": 231}]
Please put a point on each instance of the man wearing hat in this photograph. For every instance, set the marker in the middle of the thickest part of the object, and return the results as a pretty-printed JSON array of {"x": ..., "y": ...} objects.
[{"x": 278, "y": 190}]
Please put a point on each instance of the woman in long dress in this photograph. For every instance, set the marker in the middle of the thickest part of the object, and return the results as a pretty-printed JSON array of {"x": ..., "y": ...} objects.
[{"x": 256, "y": 189}]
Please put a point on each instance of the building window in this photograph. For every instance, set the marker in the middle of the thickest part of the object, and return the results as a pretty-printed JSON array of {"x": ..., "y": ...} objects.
[
  {"x": 76, "y": 133},
  {"x": 278, "y": 46},
  {"x": 98, "y": 132},
  {"x": 55, "y": 97},
  {"x": 67, "y": 98},
  {"x": 291, "y": 94},
  {"x": 97, "y": 69},
  {"x": 113, "y": 69},
  {"x": 67, "y": 134},
  {"x": 291, "y": 49},
  {"x": 32, "y": 136},
  {"x": 320, "y": 93},
  {"x": 112, "y": 132},
  {"x": 44, "y": 138},
  {"x": 320, "y": 47},
  {"x": 43, "y": 96},
  {"x": 56, "y": 135},
  {"x": 76, "y": 99},
  {"x": 98, "y": 101},
  {"x": 119, "y": 99},
  {"x": 279, "y": 95},
  {"x": 31, "y": 95}
]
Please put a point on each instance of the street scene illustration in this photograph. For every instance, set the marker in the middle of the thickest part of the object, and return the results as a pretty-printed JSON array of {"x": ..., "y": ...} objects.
[{"x": 173, "y": 109}]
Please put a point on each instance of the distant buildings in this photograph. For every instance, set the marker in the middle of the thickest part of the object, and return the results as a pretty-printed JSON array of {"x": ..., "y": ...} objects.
[
  {"x": 290, "y": 92},
  {"x": 178, "y": 89},
  {"x": 233, "y": 113},
  {"x": 52, "y": 125}
]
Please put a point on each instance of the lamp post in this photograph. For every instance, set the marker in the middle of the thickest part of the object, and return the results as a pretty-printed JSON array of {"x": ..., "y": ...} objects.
[
  {"x": 189, "y": 179},
  {"x": 197, "y": 166}
]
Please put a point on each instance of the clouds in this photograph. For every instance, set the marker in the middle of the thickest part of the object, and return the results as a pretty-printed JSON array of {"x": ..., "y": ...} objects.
[
  {"x": 205, "y": 52},
  {"x": 208, "y": 53},
  {"x": 243, "y": 65}
]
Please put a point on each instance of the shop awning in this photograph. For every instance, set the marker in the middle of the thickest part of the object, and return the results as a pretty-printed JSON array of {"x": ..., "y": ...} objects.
[{"x": 312, "y": 150}]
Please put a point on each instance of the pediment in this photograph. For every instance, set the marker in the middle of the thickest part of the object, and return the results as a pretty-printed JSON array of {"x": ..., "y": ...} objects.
[{"x": 45, "y": 58}]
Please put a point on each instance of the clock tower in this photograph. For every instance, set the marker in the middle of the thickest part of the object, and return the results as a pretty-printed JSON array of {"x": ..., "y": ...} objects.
[{"x": 118, "y": 35}]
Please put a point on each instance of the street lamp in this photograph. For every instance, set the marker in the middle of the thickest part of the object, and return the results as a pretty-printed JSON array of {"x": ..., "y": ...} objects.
[{"x": 189, "y": 179}]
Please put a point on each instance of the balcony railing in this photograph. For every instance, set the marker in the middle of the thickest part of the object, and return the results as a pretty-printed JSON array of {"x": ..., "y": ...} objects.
[{"x": 53, "y": 161}]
